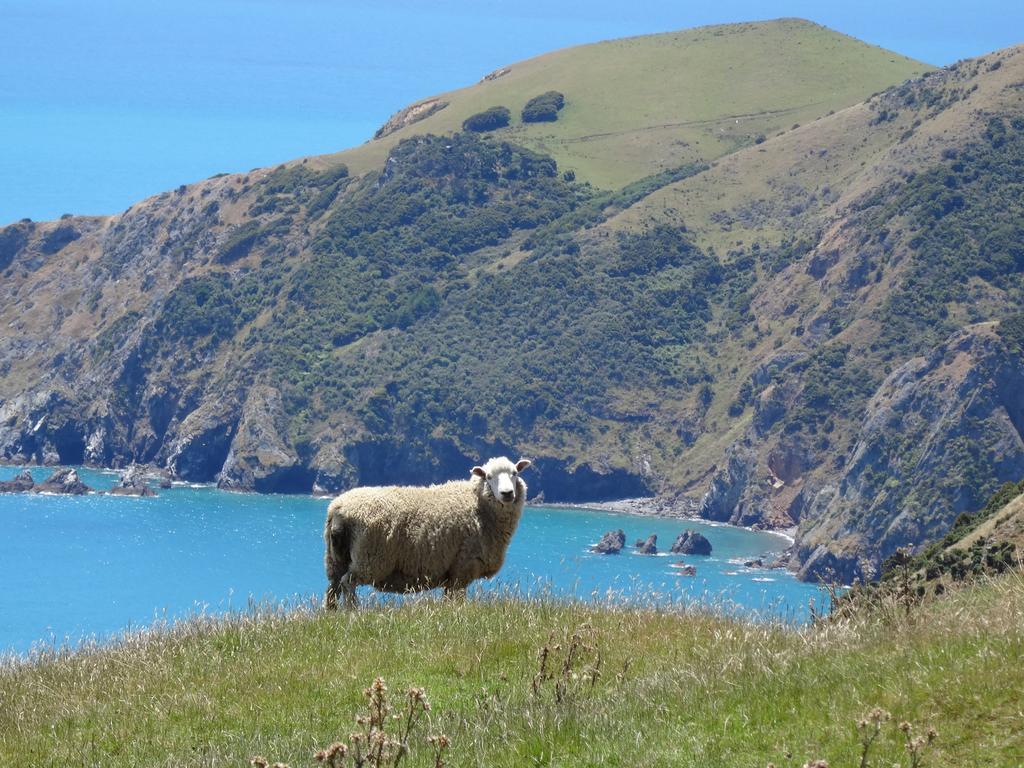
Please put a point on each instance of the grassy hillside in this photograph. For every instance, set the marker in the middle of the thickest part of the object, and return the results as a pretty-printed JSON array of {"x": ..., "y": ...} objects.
[
  {"x": 643, "y": 687},
  {"x": 638, "y": 106}
]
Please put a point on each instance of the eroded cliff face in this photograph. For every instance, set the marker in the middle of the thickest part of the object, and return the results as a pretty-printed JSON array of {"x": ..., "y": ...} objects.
[{"x": 938, "y": 438}]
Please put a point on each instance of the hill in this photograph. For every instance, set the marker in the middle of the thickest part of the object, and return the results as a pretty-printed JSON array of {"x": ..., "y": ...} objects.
[
  {"x": 638, "y": 106},
  {"x": 512, "y": 682},
  {"x": 816, "y": 329}
]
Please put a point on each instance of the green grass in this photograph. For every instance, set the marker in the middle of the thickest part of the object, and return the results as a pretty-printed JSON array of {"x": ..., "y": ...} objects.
[
  {"x": 637, "y": 106},
  {"x": 674, "y": 688}
]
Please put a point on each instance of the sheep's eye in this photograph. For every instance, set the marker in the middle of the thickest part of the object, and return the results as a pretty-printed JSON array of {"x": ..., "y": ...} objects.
[{"x": 515, "y": 474}]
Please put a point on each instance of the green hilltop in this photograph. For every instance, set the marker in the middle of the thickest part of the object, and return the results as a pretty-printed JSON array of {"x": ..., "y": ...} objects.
[{"x": 638, "y": 106}]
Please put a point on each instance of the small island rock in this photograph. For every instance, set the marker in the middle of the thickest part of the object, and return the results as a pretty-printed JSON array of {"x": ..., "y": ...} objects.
[
  {"x": 691, "y": 543},
  {"x": 611, "y": 543},
  {"x": 64, "y": 481},
  {"x": 22, "y": 483},
  {"x": 648, "y": 547},
  {"x": 684, "y": 569},
  {"x": 132, "y": 483}
]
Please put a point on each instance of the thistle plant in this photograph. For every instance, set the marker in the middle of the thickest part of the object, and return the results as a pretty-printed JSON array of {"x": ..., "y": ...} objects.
[
  {"x": 571, "y": 669},
  {"x": 871, "y": 727},
  {"x": 384, "y": 737}
]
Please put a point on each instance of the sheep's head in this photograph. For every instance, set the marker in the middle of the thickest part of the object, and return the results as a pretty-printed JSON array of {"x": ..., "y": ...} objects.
[{"x": 501, "y": 479}]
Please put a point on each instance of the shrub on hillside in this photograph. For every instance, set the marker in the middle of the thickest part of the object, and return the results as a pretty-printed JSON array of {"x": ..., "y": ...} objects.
[
  {"x": 488, "y": 120},
  {"x": 1011, "y": 330},
  {"x": 543, "y": 108}
]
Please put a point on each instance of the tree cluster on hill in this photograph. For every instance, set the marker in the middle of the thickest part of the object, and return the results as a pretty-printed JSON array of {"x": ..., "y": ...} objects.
[
  {"x": 488, "y": 120},
  {"x": 543, "y": 108}
]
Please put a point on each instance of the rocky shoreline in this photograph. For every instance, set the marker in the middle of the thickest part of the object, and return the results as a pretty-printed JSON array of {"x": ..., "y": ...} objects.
[
  {"x": 653, "y": 506},
  {"x": 65, "y": 481},
  {"x": 650, "y": 506},
  {"x": 683, "y": 509}
]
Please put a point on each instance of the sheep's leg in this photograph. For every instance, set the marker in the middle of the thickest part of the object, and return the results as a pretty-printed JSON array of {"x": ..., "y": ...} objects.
[
  {"x": 337, "y": 561},
  {"x": 334, "y": 577},
  {"x": 455, "y": 588},
  {"x": 357, "y": 573},
  {"x": 347, "y": 589},
  {"x": 456, "y": 594}
]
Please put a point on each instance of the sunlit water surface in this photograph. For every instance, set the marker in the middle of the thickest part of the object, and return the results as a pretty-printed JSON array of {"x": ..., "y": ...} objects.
[{"x": 92, "y": 566}]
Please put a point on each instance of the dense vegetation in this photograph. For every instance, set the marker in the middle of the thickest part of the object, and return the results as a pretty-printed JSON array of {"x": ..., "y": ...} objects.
[
  {"x": 489, "y": 120},
  {"x": 939, "y": 559},
  {"x": 514, "y": 683},
  {"x": 966, "y": 225},
  {"x": 469, "y": 348},
  {"x": 543, "y": 108}
]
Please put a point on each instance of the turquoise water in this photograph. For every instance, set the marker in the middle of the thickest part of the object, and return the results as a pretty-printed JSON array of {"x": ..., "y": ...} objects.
[{"x": 91, "y": 566}]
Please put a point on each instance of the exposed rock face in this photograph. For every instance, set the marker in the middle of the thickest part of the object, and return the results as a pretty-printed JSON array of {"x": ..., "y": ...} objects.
[
  {"x": 939, "y": 436},
  {"x": 495, "y": 74},
  {"x": 684, "y": 569},
  {"x": 722, "y": 500},
  {"x": 132, "y": 483},
  {"x": 201, "y": 444},
  {"x": 611, "y": 543},
  {"x": 260, "y": 458},
  {"x": 563, "y": 483},
  {"x": 691, "y": 543},
  {"x": 22, "y": 483},
  {"x": 64, "y": 481},
  {"x": 648, "y": 546},
  {"x": 409, "y": 115}
]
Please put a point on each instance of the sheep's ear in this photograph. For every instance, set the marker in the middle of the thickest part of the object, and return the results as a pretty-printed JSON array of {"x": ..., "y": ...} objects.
[
  {"x": 479, "y": 472},
  {"x": 522, "y": 464}
]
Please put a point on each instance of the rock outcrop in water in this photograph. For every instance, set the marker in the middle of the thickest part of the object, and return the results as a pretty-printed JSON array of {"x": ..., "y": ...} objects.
[
  {"x": 611, "y": 543},
  {"x": 691, "y": 542},
  {"x": 64, "y": 481},
  {"x": 132, "y": 483},
  {"x": 22, "y": 483},
  {"x": 648, "y": 546}
]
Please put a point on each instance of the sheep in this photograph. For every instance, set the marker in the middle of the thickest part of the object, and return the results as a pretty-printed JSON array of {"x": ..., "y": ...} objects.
[{"x": 402, "y": 539}]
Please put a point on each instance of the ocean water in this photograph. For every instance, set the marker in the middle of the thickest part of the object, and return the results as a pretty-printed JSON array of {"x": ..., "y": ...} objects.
[{"x": 82, "y": 567}]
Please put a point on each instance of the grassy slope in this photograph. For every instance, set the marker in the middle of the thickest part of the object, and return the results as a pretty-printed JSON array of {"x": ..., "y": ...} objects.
[
  {"x": 639, "y": 105},
  {"x": 1007, "y": 525},
  {"x": 675, "y": 689}
]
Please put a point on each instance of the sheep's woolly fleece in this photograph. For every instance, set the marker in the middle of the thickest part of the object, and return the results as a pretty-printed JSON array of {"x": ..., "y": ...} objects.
[{"x": 401, "y": 538}]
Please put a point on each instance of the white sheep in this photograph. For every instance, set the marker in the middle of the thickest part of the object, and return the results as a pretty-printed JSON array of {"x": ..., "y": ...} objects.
[{"x": 402, "y": 539}]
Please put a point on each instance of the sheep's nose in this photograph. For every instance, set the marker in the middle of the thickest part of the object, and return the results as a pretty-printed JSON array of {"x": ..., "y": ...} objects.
[{"x": 507, "y": 495}]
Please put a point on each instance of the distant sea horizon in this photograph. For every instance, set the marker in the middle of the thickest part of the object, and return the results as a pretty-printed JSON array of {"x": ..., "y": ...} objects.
[{"x": 104, "y": 105}]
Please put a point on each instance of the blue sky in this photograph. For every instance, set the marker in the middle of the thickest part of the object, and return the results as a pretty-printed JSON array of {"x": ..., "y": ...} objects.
[{"x": 104, "y": 103}]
